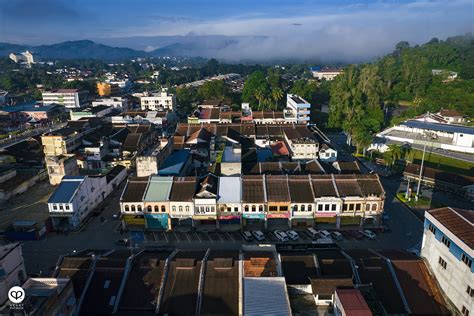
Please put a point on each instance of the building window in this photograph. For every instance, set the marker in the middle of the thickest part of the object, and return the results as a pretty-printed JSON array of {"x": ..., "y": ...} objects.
[
  {"x": 374, "y": 207},
  {"x": 310, "y": 208},
  {"x": 139, "y": 208},
  {"x": 442, "y": 263},
  {"x": 254, "y": 208},
  {"x": 55, "y": 207},
  {"x": 163, "y": 209},
  {"x": 367, "y": 207},
  {"x": 61, "y": 207},
  {"x": 273, "y": 208},
  {"x": 464, "y": 311},
  {"x": 283, "y": 208},
  {"x": 470, "y": 291},
  {"x": 127, "y": 208},
  {"x": 466, "y": 260},
  {"x": 187, "y": 208},
  {"x": 445, "y": 241},
  {"x": 149, "y": 208},
  {"x": 320, "y": 207},
  {"x": 246, "y": 208},
  {"x": 432, "y": 228},
  {"x": 333, "y": 207},
  {"x": 66, "y": 206},
  {"x": 174, "y": 209},
  {"x": 351, "y": 207},
  {"x": 133, "y": 208},
  {"x": 327, "y": 207},
  {"x": 260, "y": 209},
  {"x": 302, "y": 208},
  {"x": 229, "y": 209},
  {"x": 156, "y": 208},
  {"x": 236, "y": 209},
  {"x": 358, "y": 207}
]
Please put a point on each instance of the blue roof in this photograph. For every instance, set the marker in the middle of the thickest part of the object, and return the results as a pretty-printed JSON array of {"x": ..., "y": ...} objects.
[
  {"x": 175, "y": 163},
  {"x": 440, "y": 127},
  {"x": 66, "y": 189},
  {"x": 28, "y": 107},
  {"x": 264, "y": 155}
]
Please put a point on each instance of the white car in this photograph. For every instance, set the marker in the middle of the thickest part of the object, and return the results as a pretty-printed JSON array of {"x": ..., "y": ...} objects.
[
  {"x": 312, "y": 232},
  {"x": 368, "y": 234},
  {"x": 293, "y": 235},
  {"x": 282, "y": 236},
  {"x": 258, "y": 235},
  {"x": 324, "y": 234}
]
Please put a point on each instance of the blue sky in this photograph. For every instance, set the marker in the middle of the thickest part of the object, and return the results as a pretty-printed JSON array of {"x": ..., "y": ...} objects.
[{"x": 346, "y": 27}]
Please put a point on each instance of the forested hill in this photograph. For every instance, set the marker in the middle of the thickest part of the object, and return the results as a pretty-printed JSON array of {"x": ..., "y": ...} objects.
[{"x": 361, "y": 94}]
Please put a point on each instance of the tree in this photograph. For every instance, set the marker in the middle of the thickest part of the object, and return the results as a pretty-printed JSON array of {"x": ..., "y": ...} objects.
[
  {"x": 256, "y": 81},
  {"x": 277, "y": 95},
  {"x": 214, "y": 90}
]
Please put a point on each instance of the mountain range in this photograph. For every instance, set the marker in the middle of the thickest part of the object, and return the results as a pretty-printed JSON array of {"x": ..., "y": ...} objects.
[{"x": 109, "y": 50}]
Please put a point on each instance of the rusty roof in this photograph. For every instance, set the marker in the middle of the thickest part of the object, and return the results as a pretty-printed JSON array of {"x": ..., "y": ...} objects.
[
  {"x": 277, "y": 189},
  {"x": 253, "y": 190},
  {"x": 300, "y": 189},
  {"x": 183, "y": 189},
  {"x": 135, "y": 189},
  {"x": 458, "y": 221}
]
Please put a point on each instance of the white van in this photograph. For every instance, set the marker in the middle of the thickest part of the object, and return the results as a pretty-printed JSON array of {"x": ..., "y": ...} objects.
[
  {"x": 293, "y": 235},
  {"x": 337, "y": 236}
]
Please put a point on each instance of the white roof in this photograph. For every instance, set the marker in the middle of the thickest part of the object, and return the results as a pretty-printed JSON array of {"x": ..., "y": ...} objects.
[
  {"x": 229, "y": 190},
  {"x": 266, "y": 296}
]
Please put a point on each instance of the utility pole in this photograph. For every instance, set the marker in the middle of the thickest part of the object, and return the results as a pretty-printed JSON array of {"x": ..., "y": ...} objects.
[{"x": 421, "y": 173}]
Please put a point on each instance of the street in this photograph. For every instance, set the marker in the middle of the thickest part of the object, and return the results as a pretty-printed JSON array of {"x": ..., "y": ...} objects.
[{"x": 41, "y": 256}]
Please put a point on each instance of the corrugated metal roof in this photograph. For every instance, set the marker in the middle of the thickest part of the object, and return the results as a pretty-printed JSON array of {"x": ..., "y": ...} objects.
[
  {"x": 229, "y": 190},
  {"x": 66, "y": 190},
  {"x": 158, "y": 189},
  {"x": 266, "y": 296},
  {"x": 174, "y": 163},
  {"x": 449, "y": 128}
]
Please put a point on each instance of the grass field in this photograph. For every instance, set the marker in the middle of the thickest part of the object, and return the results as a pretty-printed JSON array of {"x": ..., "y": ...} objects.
[{"x": 441, "y": 162}]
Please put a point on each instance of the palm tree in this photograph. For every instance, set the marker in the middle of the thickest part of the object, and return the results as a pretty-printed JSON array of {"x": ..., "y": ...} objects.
[
  {"x": 261, "y": 97},
  {"x": 277, "y": 95}
]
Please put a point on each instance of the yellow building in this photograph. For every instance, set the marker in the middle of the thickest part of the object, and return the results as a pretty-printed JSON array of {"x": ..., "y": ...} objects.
[{"x": 106, "y": 89}]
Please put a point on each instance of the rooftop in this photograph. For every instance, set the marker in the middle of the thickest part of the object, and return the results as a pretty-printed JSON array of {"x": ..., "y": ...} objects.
[
  {"x": 135, "y": 189},
  {"x": 439, "y": 127},
  {"x": 266, "y": 296},
  {"x": 158, "y": 189},
  {"x": 459, "y": 222},
  {"x": 174, "y": 164},
  {"x": 66, "y": 190},
  {"x": 229, "y": 190}
]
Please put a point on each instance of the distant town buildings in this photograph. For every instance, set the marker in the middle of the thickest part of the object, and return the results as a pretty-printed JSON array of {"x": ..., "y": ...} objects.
[
  {"x": 70, "y": 98},
  {"x": 105, "y": 89},
  {"x": 448, "y": 248}
]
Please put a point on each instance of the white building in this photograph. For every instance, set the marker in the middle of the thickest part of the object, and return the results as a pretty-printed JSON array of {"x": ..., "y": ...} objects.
[
  {"x": 158, "y": 101},
  {"x": 25, "y": 57},
  {"x": 70, "y": 98},
  {"x": 116, "y": 102},
  {"x": 299, "y": 106},
  {"x": 327, "y": 153},
  {"x": 326, "y": 73},
  {"x": 77, "y": 196},
  {"x": 437, "y": 135},
  {"x": 448, "y": 247},
  {"x": 12, "y": 269}
]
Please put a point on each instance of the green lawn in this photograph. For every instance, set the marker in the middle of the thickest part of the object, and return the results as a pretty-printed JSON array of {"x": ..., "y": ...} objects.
[
  {"x": 441, "y": 162},
  {"x": 422, "y": 201}
]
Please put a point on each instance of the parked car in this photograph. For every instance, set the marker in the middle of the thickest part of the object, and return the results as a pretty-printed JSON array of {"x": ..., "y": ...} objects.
[
  {"x": 324, "y": 234},
  {"x": 281, "y": 235},
  {"x": 368, "y": 234},
  {"x": 337, "y": 236},
  {"x": 312, "y": 232},
  {"x": 123, "y": 242},
  {"x": 247, "y": 236},
  {"x": 258, "y": 235},
  {"x": 293, "y": 235},
  {"x": 116, "y": 216}
]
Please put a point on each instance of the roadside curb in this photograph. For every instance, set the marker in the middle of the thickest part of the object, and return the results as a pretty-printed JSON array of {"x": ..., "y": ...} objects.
[{"x": 415, "y": 213}]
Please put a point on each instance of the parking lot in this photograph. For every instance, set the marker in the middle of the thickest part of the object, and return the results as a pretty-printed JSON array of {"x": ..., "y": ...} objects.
[{"x": 140, "y": 238}]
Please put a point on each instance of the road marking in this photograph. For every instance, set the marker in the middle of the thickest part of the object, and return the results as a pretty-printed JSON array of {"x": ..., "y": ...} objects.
[{"x": 166, "y": 237}]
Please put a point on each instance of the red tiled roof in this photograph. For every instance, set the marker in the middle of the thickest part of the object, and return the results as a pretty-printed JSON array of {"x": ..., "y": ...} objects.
[{"x": 279, "y": 148}]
